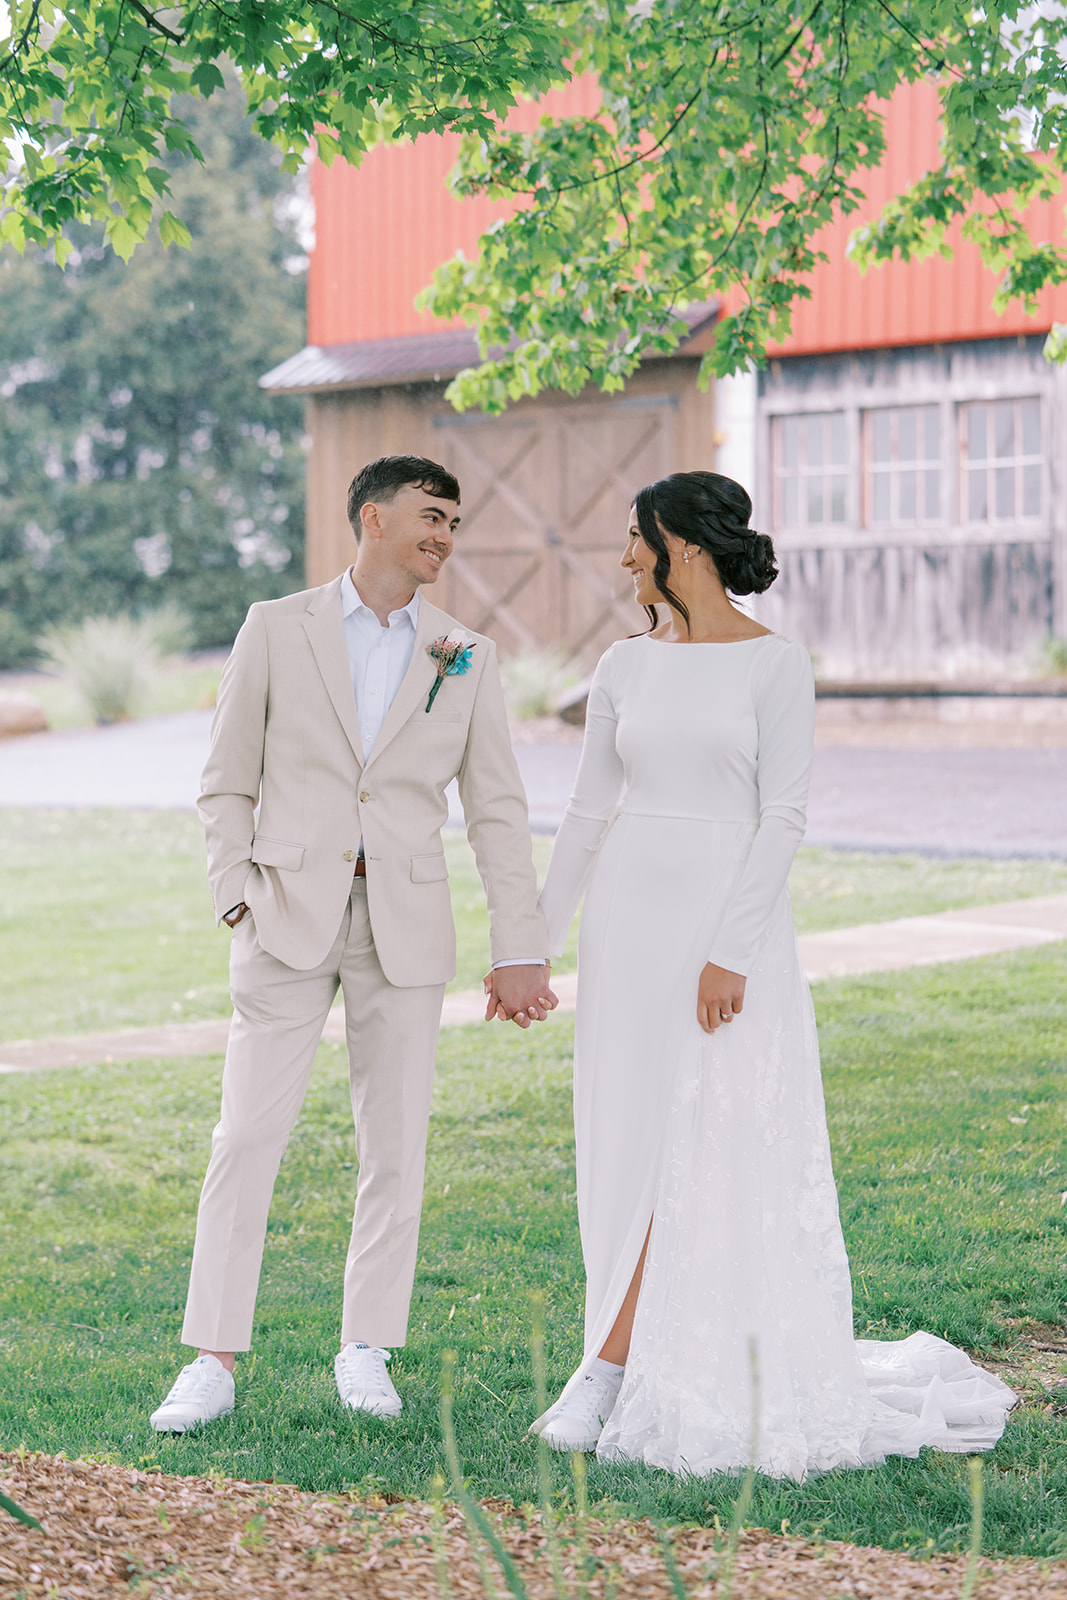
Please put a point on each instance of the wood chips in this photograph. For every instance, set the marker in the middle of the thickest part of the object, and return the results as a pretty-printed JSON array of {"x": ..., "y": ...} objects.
[{"x": 110, "y": 1531}]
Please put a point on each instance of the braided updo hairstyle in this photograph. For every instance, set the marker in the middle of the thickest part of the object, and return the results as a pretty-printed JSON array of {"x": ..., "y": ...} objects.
[{"x": 710, "y": 511}]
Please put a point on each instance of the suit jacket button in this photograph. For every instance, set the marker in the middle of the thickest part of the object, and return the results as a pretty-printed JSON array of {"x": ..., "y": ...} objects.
[
  {"x": 350, "y": 855},
  {"x": 364, "y": 795}
]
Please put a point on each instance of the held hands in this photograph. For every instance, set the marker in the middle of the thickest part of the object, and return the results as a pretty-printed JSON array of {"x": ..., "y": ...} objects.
[
  {"x": 720, "y": 996},
  {"x": 519, "y": 994}
]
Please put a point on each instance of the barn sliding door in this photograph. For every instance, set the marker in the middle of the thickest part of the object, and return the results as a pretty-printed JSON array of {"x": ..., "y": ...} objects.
[{"x": 546, "y": 492}]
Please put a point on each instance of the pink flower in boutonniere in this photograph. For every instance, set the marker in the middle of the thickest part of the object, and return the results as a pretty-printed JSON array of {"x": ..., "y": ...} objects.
[{"x": 451, "y": 655}]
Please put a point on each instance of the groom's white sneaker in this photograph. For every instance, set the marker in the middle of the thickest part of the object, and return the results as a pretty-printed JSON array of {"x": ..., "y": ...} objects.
[
  {"x": 576, "y": 1423},
  {"x": 203, "y": 1391},
  {"x": 363, "y": 1383}
]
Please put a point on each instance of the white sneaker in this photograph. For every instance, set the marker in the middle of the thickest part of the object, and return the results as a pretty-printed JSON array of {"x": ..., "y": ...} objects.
[
  {"x": 577, "y": 1422},
  {"x": 203, "y": 1391},
  {"x": 363, "y": 1383}
]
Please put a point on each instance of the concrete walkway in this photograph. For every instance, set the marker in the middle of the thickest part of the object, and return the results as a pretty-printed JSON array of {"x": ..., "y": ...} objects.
[
  {"x": 953, "y": 802},
  {"x": 871, "y": 947}
]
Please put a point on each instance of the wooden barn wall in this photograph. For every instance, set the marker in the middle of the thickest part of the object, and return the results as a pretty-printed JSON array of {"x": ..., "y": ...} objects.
[
  {"x": 949, "y": 600},
  {"x": 546, "y": 492}
]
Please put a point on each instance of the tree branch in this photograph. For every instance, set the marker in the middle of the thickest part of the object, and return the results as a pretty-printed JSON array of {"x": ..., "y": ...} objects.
[{"x": 154, "y": 22}]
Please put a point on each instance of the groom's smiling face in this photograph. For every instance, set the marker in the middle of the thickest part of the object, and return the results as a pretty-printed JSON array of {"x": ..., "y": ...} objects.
[{"x": 416, "y": 530}]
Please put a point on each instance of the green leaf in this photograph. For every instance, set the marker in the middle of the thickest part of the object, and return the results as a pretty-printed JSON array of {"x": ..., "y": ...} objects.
[
  {"x": 206, "y": 78},
  {"x": 173, "y": 231}
]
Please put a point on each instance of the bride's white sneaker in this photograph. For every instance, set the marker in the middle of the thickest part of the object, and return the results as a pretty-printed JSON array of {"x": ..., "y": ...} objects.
[
  {"x": 202, "y": 1391},
  {"x": 576, "y": 1422},
  {"x": 363, "y": 1383}
]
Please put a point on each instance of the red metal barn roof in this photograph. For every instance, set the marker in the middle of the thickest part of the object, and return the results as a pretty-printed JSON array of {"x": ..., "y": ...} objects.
[
  {"x": 916, "y": 302},
  {"x": 382, "y": 228}
]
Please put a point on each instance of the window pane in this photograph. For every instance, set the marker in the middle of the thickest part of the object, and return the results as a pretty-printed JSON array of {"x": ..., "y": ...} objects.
[
  {"x": 907, "y": 496},
  {"x": 1030, "y": 416},
  {"x": 838, "y": 444},
  {"x": 1031, "y": 491},
  {"x": 976, "y": 419},
  {"x": 880, "y": 497},
  {"x": 977, "y": 510},
  {"x": 932, "y": 498},
  {"x": 1005, "y": 492},
  {"x": 814, "y": 500},
  {"x": 932, "y": 434},
  {"x": 789, "y": 503},
  {"x": 837, "y": 498},
  {"x": 1004, "y": 429},
  {"x": 788, "y": 433},
  {"x": 814, "y": 442},
  {"x": 906, "y": 435},
  {"x": 879, "y": 425}
]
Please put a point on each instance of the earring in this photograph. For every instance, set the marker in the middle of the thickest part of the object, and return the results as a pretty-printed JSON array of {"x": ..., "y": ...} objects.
[{"x": 685, "y": 555}]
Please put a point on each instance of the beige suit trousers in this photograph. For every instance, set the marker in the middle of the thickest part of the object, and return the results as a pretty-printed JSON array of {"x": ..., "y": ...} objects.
[{"x": 279, "y": 1014}]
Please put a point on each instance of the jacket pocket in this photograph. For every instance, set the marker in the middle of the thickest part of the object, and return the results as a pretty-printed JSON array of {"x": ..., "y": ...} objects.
[
  {"x": 428, "y": 869},
  {"x": 277, "y": 853}
]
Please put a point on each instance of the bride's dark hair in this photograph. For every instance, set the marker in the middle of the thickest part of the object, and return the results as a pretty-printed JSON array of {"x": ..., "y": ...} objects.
[{"x": 711, "y": 511}]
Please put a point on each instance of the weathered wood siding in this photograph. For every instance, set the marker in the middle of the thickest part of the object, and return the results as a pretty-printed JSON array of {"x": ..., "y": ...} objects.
[{"x": 948, "y": 600}]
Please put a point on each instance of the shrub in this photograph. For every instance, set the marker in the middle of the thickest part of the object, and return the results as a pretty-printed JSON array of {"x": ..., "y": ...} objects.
[
  {"x": 534, "y": 680},
  {"x": 108, "y": 661},
  {"x": 1054, "y": 658}
]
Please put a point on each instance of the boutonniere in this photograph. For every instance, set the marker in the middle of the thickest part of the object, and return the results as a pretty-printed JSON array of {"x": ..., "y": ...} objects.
[{"x": 451, "y": 655}]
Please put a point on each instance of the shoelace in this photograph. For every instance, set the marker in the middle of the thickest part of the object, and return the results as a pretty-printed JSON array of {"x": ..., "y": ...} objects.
[
  {"x": 192, "y": 1383},
  {"x": 592, "y": 1399},
  {"x": 366, "y": 1368}
]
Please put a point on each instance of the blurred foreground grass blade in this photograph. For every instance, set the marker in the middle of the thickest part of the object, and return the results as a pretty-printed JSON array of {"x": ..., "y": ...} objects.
[
  {"x": 970, "y": 1577},
  {"x": 725, "y": 1583},
  {"x": 674, "y": 1577},
  {"x": 13, "y": 1509},
  {"x": 544, "y": 1469},
  {"x": 437, "y": 1537},
  {"x": 473, "y": 1515},
  {"x": 585, "y": 1565}
]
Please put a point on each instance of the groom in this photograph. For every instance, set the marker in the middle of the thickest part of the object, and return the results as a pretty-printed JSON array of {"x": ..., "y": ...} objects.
[{"x": 344, "y": 714}]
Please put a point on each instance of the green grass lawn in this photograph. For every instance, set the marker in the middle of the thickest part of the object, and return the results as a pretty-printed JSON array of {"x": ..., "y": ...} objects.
[
  {"x": 945, "y": 1090},
  {"x": 105, "y": 920}
]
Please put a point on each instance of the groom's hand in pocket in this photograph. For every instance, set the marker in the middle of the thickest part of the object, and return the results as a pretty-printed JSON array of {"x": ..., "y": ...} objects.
[
  {"x": 720, "y": 996},
  {"x": 519, "y": 994}
]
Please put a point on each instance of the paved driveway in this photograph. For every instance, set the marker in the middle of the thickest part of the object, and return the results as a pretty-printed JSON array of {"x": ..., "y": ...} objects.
[{"x": 997, "y": 802}]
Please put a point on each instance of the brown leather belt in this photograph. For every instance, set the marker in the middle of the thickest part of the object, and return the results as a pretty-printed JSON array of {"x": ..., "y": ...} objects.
[{"x": 360, "y": 868}]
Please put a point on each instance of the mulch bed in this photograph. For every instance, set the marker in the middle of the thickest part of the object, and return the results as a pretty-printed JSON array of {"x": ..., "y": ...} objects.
[{"x": 109, "y": 1531}]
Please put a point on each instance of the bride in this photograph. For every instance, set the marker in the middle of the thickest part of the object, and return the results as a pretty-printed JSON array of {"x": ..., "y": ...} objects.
[{"x": 706, "y": 1199}]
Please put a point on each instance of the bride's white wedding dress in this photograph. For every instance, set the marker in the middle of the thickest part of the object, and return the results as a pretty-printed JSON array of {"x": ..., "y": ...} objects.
[{"x": 688, "y": 808}]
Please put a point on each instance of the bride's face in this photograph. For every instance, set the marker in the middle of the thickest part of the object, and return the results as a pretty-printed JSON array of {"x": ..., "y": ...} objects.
[{"x": 640, "y": 563}]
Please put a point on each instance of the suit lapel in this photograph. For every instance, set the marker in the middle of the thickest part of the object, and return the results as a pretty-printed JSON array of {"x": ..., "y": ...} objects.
[
  {"x": 418, "y": 680},
  {"x": 325, "y": 627}
]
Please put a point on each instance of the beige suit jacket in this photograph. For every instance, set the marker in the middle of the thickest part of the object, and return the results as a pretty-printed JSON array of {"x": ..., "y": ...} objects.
[{"x": 286, "y": 738}]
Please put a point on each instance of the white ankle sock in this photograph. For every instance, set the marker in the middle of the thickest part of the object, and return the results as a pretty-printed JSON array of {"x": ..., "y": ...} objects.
[{"x": 608, "y": 1370}]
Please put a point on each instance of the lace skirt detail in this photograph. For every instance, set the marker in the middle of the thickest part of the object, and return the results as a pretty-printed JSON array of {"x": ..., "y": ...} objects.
[{"x": 721, "y": 1141}]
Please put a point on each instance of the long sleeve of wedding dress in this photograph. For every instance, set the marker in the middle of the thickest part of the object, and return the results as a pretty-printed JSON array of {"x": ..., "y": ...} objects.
[
  {"x": 785, "y": 716},
  {"x": 592, "y": 805}
]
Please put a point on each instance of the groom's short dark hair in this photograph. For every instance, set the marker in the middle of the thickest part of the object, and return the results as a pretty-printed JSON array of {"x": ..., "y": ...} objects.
[{"x": 383, "y": 478}]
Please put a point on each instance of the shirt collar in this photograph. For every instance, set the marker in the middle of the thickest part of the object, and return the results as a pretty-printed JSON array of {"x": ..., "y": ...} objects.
[{"x": 352, "y": 601}]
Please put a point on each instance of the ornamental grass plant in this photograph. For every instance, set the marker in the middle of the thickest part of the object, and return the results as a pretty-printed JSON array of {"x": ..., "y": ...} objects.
[{"x": 110, "y": 661}]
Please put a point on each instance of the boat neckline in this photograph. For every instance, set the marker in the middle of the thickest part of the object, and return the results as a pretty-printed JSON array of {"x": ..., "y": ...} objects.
[{"x": 717, "y": 644}]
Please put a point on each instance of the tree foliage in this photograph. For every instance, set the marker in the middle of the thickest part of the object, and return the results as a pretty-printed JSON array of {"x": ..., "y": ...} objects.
[
  {"x": 139, "y": 462},
  {"x": 728, "y": 136},
  {"x": 87, "y": 90}
]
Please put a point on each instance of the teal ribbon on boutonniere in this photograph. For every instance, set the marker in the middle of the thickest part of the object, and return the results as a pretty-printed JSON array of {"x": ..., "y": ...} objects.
[{"x": 451, "y": 655}]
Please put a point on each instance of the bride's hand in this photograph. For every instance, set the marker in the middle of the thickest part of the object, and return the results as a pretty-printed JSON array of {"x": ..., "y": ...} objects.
[{"x": 720, "y": 996}]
